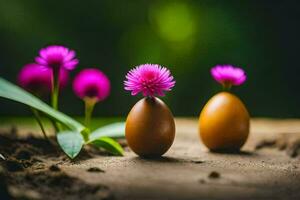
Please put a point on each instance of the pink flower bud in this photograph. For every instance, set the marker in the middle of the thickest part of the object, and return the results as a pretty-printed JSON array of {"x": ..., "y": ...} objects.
[
  {"x": 37, "y": 79},
  {"x": 91, "y": 83}
]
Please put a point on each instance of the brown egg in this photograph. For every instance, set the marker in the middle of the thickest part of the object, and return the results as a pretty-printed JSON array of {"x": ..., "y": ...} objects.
[
  {"x": 224, "y": 123},
  {"x": 150, "y": 128}
]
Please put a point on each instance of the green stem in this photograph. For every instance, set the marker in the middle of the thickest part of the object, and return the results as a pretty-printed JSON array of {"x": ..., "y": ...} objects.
[
  {"x": 89, "y": 108},
  {"x": 55, "y": 95},
  {"x": 86, "y": 135},
  {"x": 55, "y": 89},
  {"x": 39, "y": 121},
  {"x": 226, "y": 86},
  {"x": 55, "y": 125}
]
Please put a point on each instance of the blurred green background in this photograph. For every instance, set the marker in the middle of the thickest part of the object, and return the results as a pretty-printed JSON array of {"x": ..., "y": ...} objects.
[{"x": 188, "y": 37}]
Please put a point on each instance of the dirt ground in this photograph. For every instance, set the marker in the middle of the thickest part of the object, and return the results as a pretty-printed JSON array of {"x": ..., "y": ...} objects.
[{"x": 268, "y": 167}]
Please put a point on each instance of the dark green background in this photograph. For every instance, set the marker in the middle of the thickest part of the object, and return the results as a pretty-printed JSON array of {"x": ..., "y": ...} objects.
[{"x": 188, "y": 37}]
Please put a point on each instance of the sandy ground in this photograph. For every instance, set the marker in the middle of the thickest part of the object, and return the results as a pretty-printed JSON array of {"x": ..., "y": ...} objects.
[{"x": 187, "y": 171}]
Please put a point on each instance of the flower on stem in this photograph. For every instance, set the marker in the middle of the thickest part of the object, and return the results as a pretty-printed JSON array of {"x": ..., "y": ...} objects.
[
  {"x": 37, "y": 79},
  {"x": 92, "y": 86},
  {"x": 149, "y": 79},
  {"x": 228, "y": 75},
  {"x": 56, "y": 56}
]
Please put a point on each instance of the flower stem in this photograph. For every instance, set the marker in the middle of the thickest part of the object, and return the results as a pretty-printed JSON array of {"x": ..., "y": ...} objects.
[
  {"x": 226, "y": 86},
  {"x": 39, "y": 121},
  {"x": 55, "y": 89},
  {"x": 55, "y": 94},
  {"x": 86, "y": 135},
  {"x": 89, "y": 107}
]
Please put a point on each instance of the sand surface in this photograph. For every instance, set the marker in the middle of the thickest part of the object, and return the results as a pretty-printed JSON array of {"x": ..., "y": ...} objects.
[{"x": 187, "y": 171}]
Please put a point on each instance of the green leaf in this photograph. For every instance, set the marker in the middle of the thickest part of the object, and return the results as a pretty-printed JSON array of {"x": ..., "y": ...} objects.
[
  {"x": 15, "y": 93},
  {"x": 70, "y": 142},
  {"x": 114, "y": 130},
  {"x": 108, "y": 144}
]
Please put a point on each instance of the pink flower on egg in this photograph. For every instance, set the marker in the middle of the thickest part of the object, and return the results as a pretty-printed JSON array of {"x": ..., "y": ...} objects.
[
  {"x": 228, "y": 75},
  {"x": 91, "y": 83},
  {"x": 57, "y": 57},
  {"x": 38, "y": 79},
  {"x": 149, "y": 79}
]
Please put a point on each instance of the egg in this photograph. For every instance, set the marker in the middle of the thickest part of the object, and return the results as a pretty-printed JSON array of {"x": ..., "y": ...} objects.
[
  {"x": 150, "y": 128},
  {"x": 224, "y": 123}
]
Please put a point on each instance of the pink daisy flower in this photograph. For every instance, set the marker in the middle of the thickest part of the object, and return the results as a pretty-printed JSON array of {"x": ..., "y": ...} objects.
[
  {"x": 91, "y": 83},
  {"x": 57, "y": 57},
  {"x": 149, "y": 79},
  {"x": 38, "y": 79},
  {"x": 228, "y": 75}
]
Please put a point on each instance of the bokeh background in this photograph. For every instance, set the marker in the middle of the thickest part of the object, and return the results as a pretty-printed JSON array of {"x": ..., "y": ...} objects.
[{"x": 188, "y": 37}]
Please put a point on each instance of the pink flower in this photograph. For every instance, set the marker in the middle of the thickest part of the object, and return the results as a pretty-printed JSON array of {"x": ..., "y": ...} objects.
[
  {"x": 228, "y": 75},
  {"x": 91, "y": 83},
  {"x": 57, "y": 57},
  {"x": 149, "y": 79},
  {"x": 37, "y": 79}
]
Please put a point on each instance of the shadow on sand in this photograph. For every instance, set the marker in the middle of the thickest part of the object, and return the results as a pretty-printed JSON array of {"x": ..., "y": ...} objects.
[
  {"x": 167, "y": 159},
  {"x": 233, "y": 152}
]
